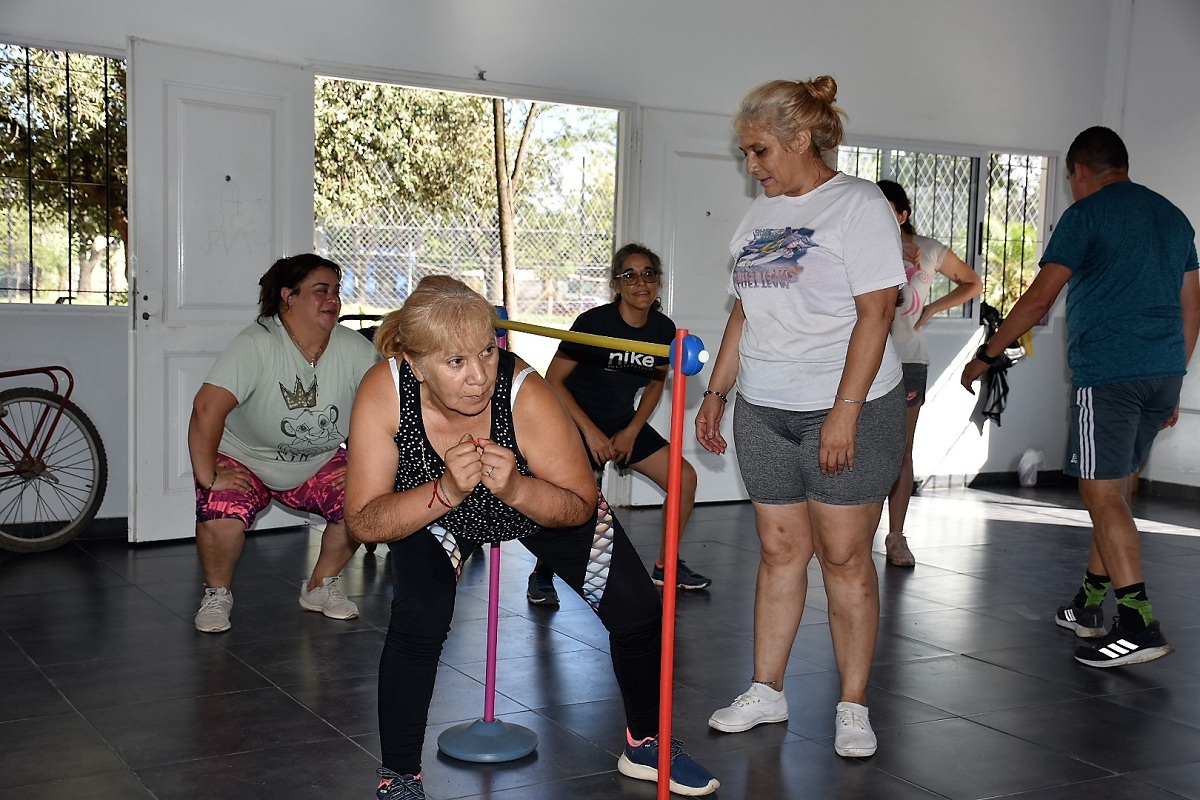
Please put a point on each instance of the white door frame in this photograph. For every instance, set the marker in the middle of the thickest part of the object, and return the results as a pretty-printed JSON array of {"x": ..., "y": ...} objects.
[{"x": 221, "y": 176}]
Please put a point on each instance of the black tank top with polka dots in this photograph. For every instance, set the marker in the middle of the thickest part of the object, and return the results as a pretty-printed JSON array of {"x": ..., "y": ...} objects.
[{"x": 481, "y": 517}]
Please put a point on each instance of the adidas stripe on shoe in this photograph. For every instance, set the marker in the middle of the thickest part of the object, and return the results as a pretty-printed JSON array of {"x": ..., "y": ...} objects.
[
  {"x": 1087, "y": 622},
  {"x": 1123, "y": 647}
]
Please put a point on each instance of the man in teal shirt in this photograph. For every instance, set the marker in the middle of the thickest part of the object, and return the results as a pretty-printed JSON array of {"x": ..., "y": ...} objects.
[{"x": 1133, "y": 313}]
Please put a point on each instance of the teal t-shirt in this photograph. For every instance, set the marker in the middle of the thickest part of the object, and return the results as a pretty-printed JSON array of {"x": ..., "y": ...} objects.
[
  {"x": 1127, "y": 248},
  {"x": 291, "y": 417}
]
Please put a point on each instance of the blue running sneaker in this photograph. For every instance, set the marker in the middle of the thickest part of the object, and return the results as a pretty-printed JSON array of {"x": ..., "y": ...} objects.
[
  {"x": 640, "y": 760},
  {"x": 393, "y": 786}
]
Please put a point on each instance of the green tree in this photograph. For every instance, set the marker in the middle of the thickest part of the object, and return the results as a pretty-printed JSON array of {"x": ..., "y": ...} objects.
[
  {"x": 379, "y": 145},
  {"x": 63, "y": 150},
  {"x": 1010, "y": 262}
]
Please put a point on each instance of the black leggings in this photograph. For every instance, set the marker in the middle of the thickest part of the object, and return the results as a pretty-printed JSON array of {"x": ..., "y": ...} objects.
[{"x": 610, "y": 577}]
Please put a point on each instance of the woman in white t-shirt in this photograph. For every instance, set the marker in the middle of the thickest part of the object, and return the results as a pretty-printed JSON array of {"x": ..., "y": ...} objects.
[
  {"x": 819, "y": 420},
  {"x": 923, "y": 258}
]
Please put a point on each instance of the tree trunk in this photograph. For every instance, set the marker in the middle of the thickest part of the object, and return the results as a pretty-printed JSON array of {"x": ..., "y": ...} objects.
[
  {"x": 506, "y": 193},
  {"x": 504, "y": 207},
  {"x": 87, "y": 264}
]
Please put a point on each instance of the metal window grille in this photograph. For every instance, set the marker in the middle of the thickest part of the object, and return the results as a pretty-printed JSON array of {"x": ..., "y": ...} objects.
[
  {"x": 940, "y": 188},
  {"x": 62, "y": 177},
  {"x": 1011, "y": 232},
  {"x": 945, "y": 191}
]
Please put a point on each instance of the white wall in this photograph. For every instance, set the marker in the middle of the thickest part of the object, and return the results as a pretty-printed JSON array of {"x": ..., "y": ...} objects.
[
  {"x": 1004, "y": 73},
  {"x": 1160, "y": 122},
  {"x": 93, "y": 344}
]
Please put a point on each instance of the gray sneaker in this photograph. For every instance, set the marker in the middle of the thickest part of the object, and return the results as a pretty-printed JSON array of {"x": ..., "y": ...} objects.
[
  {"x": 213, "y": 616},
  {"x": 328, "y": 599}
]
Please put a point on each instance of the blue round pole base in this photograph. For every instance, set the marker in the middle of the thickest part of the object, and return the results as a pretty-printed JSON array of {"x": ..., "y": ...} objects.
[{"x": 489, "y": 742}]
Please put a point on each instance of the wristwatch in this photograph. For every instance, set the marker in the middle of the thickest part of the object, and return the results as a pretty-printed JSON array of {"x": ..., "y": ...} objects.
[{"x": 982, "y": 355}]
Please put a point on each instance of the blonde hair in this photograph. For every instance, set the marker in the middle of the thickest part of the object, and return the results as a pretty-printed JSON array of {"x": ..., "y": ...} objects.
[
  {"x": 441, "y": 312},
  {"x": 785, "y": 109}
]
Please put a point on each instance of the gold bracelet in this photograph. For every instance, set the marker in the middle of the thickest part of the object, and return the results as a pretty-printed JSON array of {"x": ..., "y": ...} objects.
[{"x": 848, "y": 400}]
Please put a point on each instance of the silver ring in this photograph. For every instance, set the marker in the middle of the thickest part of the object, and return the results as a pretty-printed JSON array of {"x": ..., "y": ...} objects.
[{"x": 490, "y": 471}]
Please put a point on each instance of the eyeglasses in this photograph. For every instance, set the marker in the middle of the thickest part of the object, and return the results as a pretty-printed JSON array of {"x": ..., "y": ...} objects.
[{"x": 629, "y": 278}]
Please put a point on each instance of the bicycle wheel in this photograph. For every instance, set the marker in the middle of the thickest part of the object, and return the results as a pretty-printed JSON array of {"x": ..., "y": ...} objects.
[{"x": 46, "y": 501}]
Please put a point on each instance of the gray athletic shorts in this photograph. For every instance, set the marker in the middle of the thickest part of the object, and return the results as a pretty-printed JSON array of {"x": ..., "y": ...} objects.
[
  {"x": 1113, "y": 426},
  {"x": 778, "y": 453},
  {"x": 916, "y": 380}
]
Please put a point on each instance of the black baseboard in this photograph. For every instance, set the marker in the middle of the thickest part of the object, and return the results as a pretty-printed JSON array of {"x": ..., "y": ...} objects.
[
  {"x": 1169, "y": 491},
  {"x": 986, "y": 480},
  {"x": 107, "y": 528}
]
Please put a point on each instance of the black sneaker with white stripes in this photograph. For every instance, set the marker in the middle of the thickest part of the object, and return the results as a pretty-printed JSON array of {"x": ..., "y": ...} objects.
[
  {"x": 1087, "y": 622},
  {"x": 1122, "y": 647}
]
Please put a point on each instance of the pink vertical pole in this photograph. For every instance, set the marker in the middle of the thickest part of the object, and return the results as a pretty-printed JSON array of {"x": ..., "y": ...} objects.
[
  {"x": 489, "y": 690},
  {"x": 671, "y": 569},
  {"x": 489, "y": 684}
]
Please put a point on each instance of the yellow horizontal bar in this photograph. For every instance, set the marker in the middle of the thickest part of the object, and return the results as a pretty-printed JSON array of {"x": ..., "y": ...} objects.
[{"x": 633, "y": 346}]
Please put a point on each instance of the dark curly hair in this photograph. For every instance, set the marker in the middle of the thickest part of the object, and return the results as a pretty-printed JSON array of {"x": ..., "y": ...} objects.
[{"x": 288, "y": 273}]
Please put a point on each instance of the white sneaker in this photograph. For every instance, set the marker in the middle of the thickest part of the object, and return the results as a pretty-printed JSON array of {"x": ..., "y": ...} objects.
[
  {"x": 853, "y": 737},
  {"x": 760, "y": 703},
  {"x": 328, "y": 599},
  {"x": 213, "y": 616}
]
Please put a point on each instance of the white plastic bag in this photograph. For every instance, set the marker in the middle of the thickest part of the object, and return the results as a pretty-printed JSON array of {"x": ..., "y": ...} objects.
[{"x": 1027, "y": 467}]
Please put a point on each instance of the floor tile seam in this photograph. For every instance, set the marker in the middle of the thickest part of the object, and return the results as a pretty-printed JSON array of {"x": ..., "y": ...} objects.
[
  {"x": 1134, "y": 776},
  {"x": 521, "y": 707},
  {"x": 1082, "y": 695},
  {"x": 340, "y": 733},
  {"x": 605, "y": 746},
  {"x": 1069, "y": 701},
  {"x": 281, "y": 746},
  {"x": 271, "y": 687},
  {"x": 974, "y": 719},
  {"x": 226, "y": 643},
  {"x": 1108, "y": 699},
  {"x": 558, "y": 782},
  {"x": 125, "y": 770},
  {"x": 1051, "y": 749}
]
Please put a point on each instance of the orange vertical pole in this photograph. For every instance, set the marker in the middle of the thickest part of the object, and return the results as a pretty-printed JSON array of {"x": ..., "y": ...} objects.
[{"x": 670, "y": 569}]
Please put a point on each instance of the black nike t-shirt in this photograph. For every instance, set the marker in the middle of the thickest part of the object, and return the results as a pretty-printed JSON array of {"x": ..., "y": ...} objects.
[{"x": 606, "y": 380}]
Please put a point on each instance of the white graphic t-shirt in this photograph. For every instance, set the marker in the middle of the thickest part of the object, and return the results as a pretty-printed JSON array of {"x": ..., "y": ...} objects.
[
  {"x": 291, "y": 417},
  {"x": 799, "y": 262}
]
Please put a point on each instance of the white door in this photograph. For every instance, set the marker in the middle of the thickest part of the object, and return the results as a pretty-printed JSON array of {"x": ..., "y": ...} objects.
[
  {"x": 693, "y": 193},
  {"x": 221, "y": 185}
]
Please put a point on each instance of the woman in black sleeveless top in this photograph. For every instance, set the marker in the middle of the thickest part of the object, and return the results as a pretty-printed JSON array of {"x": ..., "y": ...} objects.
[{"x": 456, "y": 443}]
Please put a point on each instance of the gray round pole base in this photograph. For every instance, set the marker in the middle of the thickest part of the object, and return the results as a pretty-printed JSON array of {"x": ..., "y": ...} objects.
[{"x": 482, "y": 741}]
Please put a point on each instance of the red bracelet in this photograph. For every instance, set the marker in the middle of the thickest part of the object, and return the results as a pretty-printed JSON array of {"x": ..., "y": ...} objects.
[{"x": 438, "y": 495}]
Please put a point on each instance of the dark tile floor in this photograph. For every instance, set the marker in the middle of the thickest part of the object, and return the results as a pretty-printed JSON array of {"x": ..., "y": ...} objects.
[{"x": 106, "y": 691}]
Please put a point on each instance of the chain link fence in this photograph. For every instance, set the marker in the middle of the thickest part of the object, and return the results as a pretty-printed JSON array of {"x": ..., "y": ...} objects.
[
  {"x": 564, "y": 207},
  {"x": 560, "y": 270}
]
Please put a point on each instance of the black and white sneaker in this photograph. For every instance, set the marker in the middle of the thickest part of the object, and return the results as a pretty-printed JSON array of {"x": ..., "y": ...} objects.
[
  {"x": 1087, "y": 622},
  {"x": 1125, "y": 647}
]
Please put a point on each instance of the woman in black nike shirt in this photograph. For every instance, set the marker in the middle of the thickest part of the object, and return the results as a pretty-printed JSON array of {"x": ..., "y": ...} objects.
[{"x": 599, "y": 387}]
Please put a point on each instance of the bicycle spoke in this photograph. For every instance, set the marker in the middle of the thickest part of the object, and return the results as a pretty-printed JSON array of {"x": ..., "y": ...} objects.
[{"x": 49, "y": 489}]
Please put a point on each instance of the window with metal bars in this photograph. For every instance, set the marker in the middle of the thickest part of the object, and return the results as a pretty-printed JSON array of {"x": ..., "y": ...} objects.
[
  {"x": 988, "y": 206},
  {"x": 63, "y": 168}
]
